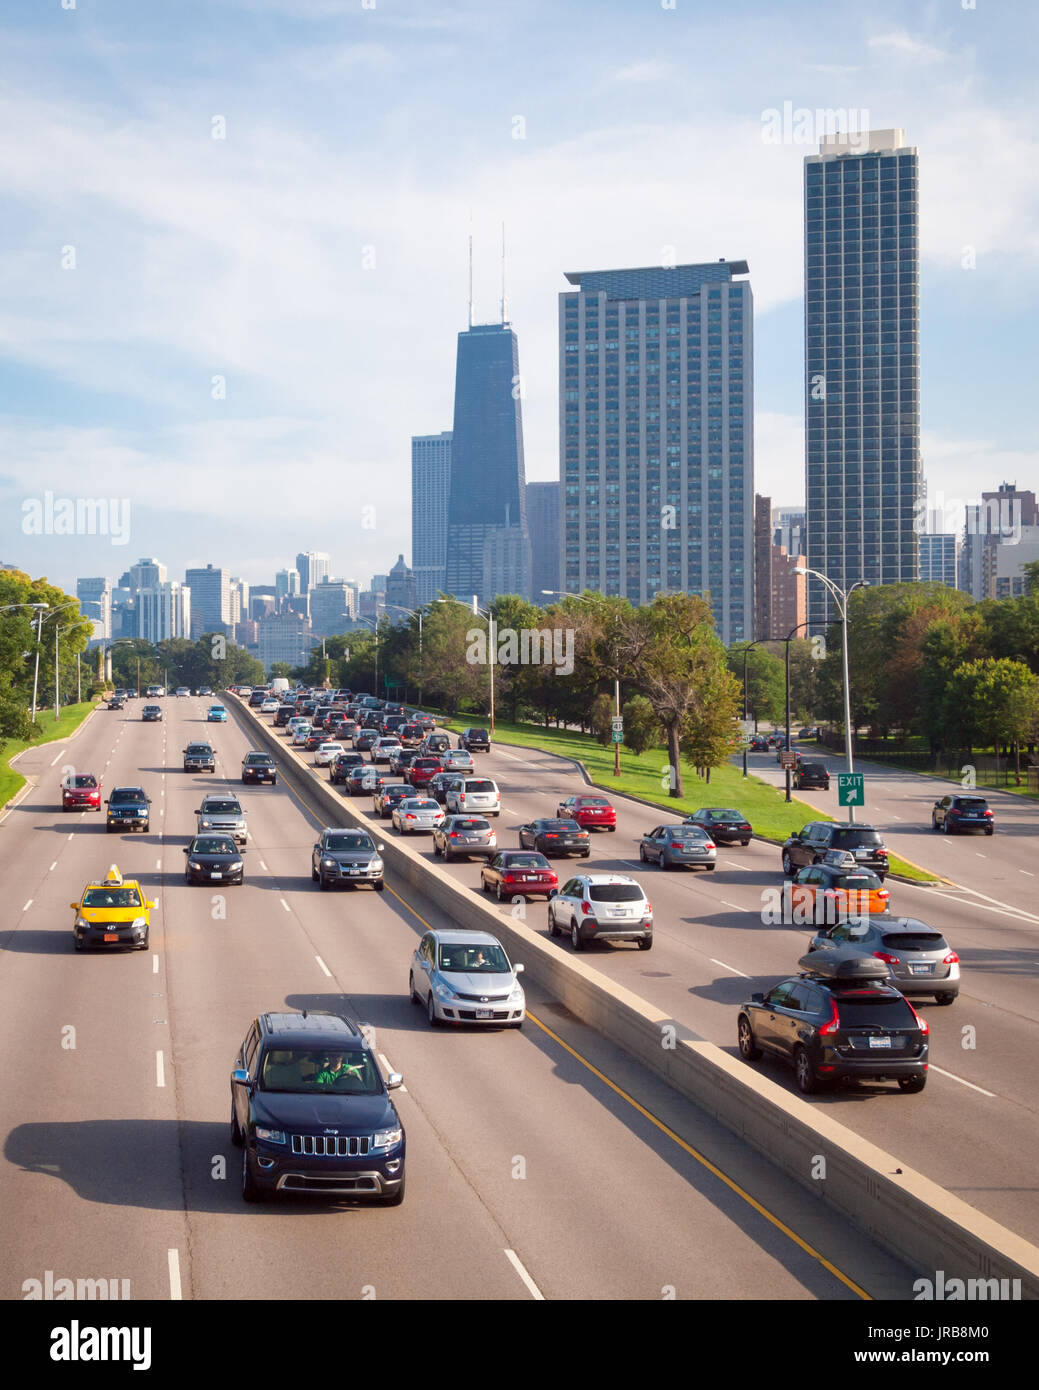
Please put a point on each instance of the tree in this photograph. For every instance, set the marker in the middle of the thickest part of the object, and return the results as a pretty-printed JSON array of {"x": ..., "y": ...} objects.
[
  {"x": 766, "y": 681},
  {"x": 992, "y": 702},
  {"x": 642, "y": 729},
  {"x": 601, "y": 719}
]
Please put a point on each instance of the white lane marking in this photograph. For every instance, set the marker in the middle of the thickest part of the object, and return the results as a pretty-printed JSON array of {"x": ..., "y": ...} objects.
[
  {"x": 69, "y": 837},
  {"x": 323, "y": 966},
  {"x": 27, "y": 906},
  {"x": 732, "y": 863},
  {"x": 1020, "y": 871},
  {"x": 980, "y": 855},
  {"x": 894, "y": 817},
  {"x": 158, "y": 863},
  {"x": 263, "y": 866},
  {"x": 58, "y": 758},
  {"x": 996, "y": 905},
  {"x": 386, "y": 1063},
  {"x": 155, "y": 965},
  {"x": 728, "y": 967},
  {"x": 173, "y": 1257},
  {"x": 285, "y": 905},
  {"x": 949, "y": 1074},
  {"x": 53, "y": 867},
  {"x": 160, "y": 1073},
  {"x": 726, "y": 903},
  {"x": 517, "y": 1265}
]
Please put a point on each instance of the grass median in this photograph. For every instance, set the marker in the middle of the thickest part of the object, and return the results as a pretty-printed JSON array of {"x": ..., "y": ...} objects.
[
  {"x": 49, "y": 729},
  {"x": 646, "y": 775}
]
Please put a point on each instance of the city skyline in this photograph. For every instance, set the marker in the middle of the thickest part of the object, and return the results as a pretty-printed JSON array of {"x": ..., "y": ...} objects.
[{"x": 175, "y": 410}]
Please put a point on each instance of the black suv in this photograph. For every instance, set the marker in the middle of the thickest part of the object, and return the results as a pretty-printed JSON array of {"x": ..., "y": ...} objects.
[
  {"x": 810, "y": 845},
  {"x": 474, "y": 741},
  {"x": 342, "y": 765},
  {"x": 955, "y": 813},
  {"x": 837, "y": 1021},
  {"x": 808, "y": 776},
  {"x": 283, "y": 714},
  {"x": 199, "y": 757},
  {"x": 259, "y": 767},
  {"x": 127, "y": 809},
  {"x": 311, "y": 1112}
]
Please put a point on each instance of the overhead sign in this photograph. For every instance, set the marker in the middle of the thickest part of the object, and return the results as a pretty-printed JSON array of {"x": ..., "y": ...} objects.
[{"x": 851, "y": 789}]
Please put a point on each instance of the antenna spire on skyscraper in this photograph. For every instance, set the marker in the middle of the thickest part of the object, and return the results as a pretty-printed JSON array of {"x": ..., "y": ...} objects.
[
  {"x": 504, "y": 315},
  {"x": 470, "y": 268}
]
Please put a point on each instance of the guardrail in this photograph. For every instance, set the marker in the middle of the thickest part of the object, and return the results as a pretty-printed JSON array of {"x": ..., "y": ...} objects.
[{"x": 923, "y": 1224}]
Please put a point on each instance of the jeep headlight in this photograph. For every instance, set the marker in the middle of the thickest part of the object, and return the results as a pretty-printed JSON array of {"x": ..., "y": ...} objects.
[
  {"x": 270, "y": 1136},
  {"x": 387, "y": 1138},
  {"x": 517, "y": 991},
  {"x": 205, "y": 824}
]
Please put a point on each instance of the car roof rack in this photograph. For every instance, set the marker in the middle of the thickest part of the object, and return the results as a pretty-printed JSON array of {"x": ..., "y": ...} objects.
[{"x": 837, "y": 966}]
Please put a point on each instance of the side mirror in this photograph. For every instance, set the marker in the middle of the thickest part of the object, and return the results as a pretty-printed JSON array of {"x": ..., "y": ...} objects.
[
  {"x": 517, "y": 969},
  {"x": 379, "y": 849},
  {"x": 186, "y": 851},
  {"x": 394, "y": 1080},
  {"x": 757, "y": 999},
  {"x": 153, "y": 904},
  {"x": 553, "y": 892},
  {"x": 240, "y": 1077},
  {"x": 317, "y": 846},
  {"x": 197, "y": 812},
  {"x": 74, "y": 906}
]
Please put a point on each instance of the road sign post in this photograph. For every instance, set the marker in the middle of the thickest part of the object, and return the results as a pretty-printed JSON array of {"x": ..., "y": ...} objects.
[{"x": 851, "y": 789}]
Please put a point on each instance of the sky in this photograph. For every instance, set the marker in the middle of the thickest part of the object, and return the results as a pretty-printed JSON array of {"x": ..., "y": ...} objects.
[{"x": 234, "y": 240}]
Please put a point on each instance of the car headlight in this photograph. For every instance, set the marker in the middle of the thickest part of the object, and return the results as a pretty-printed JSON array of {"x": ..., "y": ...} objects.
[
  {"x": 139, "y": 922},
  {"x": 387, "y": 1138},
  {"x": 270, "y": 1136},
  {"x": 444, "y": 992},
  {"x": 328, "y": 863},
  {"x": 517, "y": 992},
  {"x": 205, "y": 824},
  {"x": 82, "y": 922},
  {"x": 235, "y": 866},
  {"x": 375, "y": 865},
  {"x": 193, "y": 864}
]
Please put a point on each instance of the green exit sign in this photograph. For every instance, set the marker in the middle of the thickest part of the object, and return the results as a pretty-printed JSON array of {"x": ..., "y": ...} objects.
[{"x": 851, "y": 789}]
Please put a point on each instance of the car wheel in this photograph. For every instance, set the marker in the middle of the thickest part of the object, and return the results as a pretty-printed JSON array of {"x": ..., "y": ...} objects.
[
  {"x": 934, "y": 822},
  {"x": 323, "y": 883},
  {"x": 411, "y": 988},
  {"x": 553, "y": 930},
  {"x": 611, "y": 828},
  {"x": 77, "y": 944},
  {"x": 395, "y": 1198},
  {"x": 744, "y": 843},
  {"x": 804, "y": 1071},
  {"x": 642, "y": 853},
  {"x": 144, "y": 944},
  {"x": 251, "y": 1190},
  {"x": 236, "y": 1133},
  {"x": 990, "y": 832},
  {"x": 431, "y": 1011},
  {"x": 945, "y": 998},
  {"x": 749, "y": 1050},
  {"x": 645, "y": 943},
  {"x": 313, "y": 873},
  {"x": 586, "y": 854},
  {"x": 380, "y": 887},
  {"x": 912, "y": 1084},
  {"x": 575, "y": 938},
  {"x": 788, "y": 864}
]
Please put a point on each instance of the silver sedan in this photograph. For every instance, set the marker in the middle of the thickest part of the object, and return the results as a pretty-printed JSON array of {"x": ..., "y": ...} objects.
[
  {"x": 673, "y": 845},
  {"x": 458, "y": 760},
  {"x": 416, "y": 815},
  {"x": 466, "y": 977}
]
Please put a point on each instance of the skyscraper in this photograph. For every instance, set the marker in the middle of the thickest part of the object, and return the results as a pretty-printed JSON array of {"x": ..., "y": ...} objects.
[
  {"x": 543, "y": 501},
  {"x": 286, "y": 582},
  {"x": 862, "y": 363},
  {"x": 656, "y": 436},
  {"x": 488, "y": 496},
  {"x": 210, "y": 600},
  {"x": 430, "y": 495},
  {"x": 95, "y": 600},
  {"x": 313, "y": 566},
  {"x": 164, "y": 611},
  {"x": 762, "y": 568}
]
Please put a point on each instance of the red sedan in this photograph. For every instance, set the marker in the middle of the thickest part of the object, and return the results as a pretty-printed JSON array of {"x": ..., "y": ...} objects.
[
  {"x": 518, "y": 873},
  {"x": 81, "y": 792},
  {"x": 590, "y": 812}
]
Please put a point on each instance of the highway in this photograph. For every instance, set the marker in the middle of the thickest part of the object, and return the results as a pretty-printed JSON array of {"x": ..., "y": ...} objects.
[
  {"x": 529, "y": 1175},
  {"x": 975, "y": 1129}
]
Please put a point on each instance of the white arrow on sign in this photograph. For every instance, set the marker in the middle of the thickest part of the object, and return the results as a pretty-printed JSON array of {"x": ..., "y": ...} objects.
[{"x": 852, "y": 794}]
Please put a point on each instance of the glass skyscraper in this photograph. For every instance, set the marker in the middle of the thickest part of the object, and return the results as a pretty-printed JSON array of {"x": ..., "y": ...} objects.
[
  {"x": 862, "y": 364},
  {"x": 488, "y": 547},
  {"x": 656, "y": 381},
  {"x": 430, "y": 494}
]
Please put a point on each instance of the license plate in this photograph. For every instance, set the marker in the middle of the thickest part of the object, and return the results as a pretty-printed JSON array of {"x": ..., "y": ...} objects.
[
  {"x": 111, "y": 936},
  {"x": 862, "y": 854},
  {"x": 484, "y": 1013},
  {"x": 357, "y": 871},
  {"x": 920, "y": 969},
  {"x": 528, "y": 878},
  {"x": 880, "y": 1042},
  {"x": 217, "y": 874}
]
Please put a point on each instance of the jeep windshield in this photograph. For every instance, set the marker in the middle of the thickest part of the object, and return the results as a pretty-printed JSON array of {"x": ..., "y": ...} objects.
[{"x": 348, "y": 1071}]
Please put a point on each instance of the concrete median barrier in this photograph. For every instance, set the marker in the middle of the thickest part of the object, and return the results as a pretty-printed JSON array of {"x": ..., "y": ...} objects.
[{"x": 901, "y": 1209}]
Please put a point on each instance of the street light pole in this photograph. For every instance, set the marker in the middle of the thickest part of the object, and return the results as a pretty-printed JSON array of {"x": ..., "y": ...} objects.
[
  {"x": 746, "y": 715},
  {"x": 36, "y": 672},
  {"x": 787, "y": 640}
]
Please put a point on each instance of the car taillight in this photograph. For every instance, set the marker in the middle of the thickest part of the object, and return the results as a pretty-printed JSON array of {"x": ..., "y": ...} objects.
[
  {"x": 954, "y": 812},
  {"x": 454, "y": 834},
  {"x": 833, "y": 1023},
  {"x": 551, "y": 835},
  {"x": 988, "y": 813},
  {"x": 408, "y": 815},
  {"x": 883, "y": 893},
  {"x": 921, "y": 1023},
  {"x": 951, "y": 959},
  {"x": 586, "y": 908},
  {"x": 461, "y": 796},
  {"x": 709, "y": 845},
  {"x": 881, "y": 853},
  {"x": 887, "y": 959},
  {"x": 649, "y": 909},
  {"x": 675, "y": 844}
]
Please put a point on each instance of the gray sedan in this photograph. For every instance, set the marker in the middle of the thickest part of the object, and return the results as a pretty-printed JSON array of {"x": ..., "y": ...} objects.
[
  {"x": 464, "y": 835},
  {"x": 417, "y": 814},
  {"x": 346, "y": 856},
  {"x": 918, "y": 957},
  {"x": 674, "y": 845},
  {"x": 466, "y": 977}
]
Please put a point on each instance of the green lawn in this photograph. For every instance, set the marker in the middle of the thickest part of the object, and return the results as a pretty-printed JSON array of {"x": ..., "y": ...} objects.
[
  {"x": 646, "y": 776},
  {"x": 68, "y": 719}
]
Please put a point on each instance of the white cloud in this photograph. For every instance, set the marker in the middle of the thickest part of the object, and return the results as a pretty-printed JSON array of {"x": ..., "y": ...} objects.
[
  {"x": 649, "y": 70},
  {"x": 906, "y": 46}
]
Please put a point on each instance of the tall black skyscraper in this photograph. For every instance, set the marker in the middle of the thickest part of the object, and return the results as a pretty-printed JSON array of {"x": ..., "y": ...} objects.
[{"x": 488, "y": 547}]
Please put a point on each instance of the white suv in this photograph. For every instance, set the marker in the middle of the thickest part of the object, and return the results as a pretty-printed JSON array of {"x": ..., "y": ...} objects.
[
  {"x": 474, "y": 794},
  {"x": 601, "y": 907}
]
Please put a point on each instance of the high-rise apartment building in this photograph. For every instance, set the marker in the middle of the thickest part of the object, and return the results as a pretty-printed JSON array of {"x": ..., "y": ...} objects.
[
  {"x": 164, "y": 611},
  {"x": 286, "y": 582},
  {"x": 239, "y": 602},
  {"x": 788, "y": 529},
  {"x": 313, "y": 566},
  {"x": 938, "y": 555},
  {"x": 95, "y": 601},
  {"x": 1001, "y": 518},
  {"x": 430, "y": 495},
  {"x": 331, "y": 608},
  {"x": 762, "y": 568},
  {"x": 656, "y": 387},
  {"x": 400, "y": 588},
  {"x": 862, "y": 363},
  {"x": 543, "y": 518},
  {"x": 146, "y": 574},
  {"x": 210, "y": 600},
  {"x": 789, "y": 594},
  {"x": 488, "y": 494},
  {"x": 285, "y": 637}
]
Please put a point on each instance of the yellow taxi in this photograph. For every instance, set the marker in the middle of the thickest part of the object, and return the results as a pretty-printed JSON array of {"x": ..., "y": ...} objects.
[{"x": 113, "y": 911}]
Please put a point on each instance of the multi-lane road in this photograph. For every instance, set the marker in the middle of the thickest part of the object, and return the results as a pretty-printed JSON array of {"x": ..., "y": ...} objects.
[
  {"x": 529, "y": 1173},
  {"x": 975, "y": 1129}
]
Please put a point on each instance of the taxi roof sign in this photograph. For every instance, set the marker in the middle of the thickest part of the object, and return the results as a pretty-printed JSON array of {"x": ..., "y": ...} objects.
[{"x": 114, "y": 876}]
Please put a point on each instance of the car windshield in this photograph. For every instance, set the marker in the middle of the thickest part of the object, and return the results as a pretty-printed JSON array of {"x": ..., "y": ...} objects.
[
  {"x": 197, "y": 749},
  {"x": 422, "y": 805},
  {"x": 84, "y": 781},
  {"x": 526, "y": 861},
  {"x": 214, "y": 844},
  {"x": 221, "y": 808},
  {"x": 685, "y": 832},
  {"x": 614, "y": 892},
  {"x": 592, "y": 801},
  {"x": 723, "y": 815},
  {"x": 112, "y": 897},
  {"x": 813, "y": 767},
  {"x": 348, "y": 841},
  {"x": 320, "y": 1071},
  {"x": 855, "y": 839},
  {"x": 457, "y": 958},
  {"x": 128, "y": 794},
  {"x": 858, "y": 882}
]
